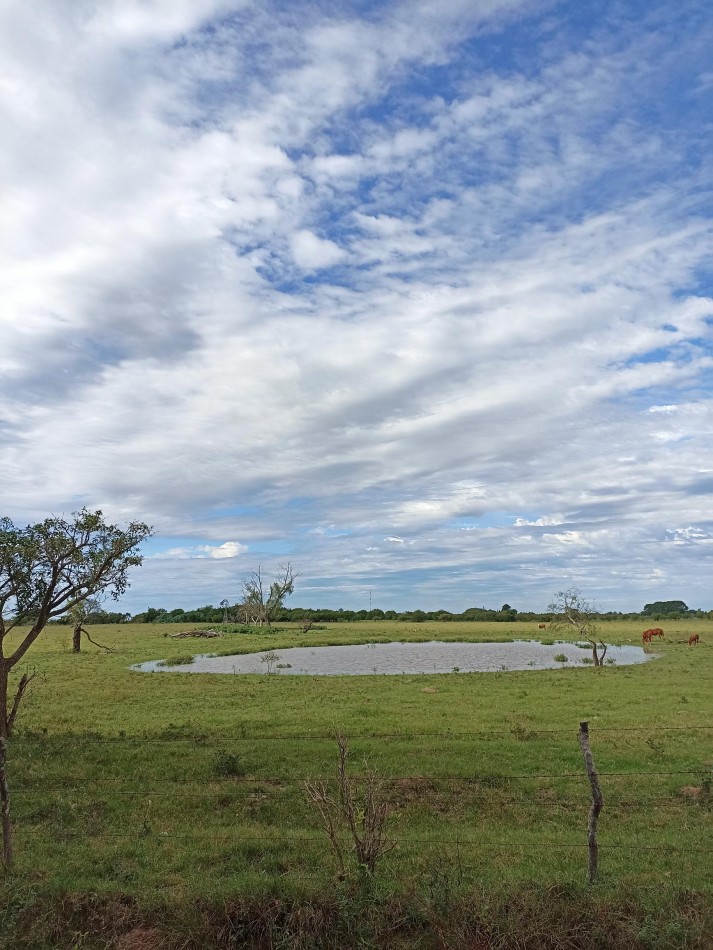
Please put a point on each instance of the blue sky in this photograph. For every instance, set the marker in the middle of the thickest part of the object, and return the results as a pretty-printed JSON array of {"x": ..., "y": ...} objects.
[{"x": 415, "y": 295}]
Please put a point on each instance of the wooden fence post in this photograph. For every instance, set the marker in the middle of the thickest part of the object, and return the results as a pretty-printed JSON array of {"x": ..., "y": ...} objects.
[{"x": 597, "y": 800}]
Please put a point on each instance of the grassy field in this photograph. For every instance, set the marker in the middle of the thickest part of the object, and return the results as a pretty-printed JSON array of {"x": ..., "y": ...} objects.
[{"x": 167, "y": 809}]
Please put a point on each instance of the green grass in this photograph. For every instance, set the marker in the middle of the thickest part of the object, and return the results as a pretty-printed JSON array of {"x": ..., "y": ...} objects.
[
  {"x": 129, "y": 785},
  {"x": 183, "y": 660}
]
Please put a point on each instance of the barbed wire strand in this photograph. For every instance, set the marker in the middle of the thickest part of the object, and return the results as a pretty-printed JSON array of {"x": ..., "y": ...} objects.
[
  {"x": 234, "y": 786},
  {"x": 478, "y": 779},
  {"x": 319, "y": 737},
  {"x": 455, "y": 842}
]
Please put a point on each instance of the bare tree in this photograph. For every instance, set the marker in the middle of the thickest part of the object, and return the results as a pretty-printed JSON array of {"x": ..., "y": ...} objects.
[
  {"x": 80, "y": 614},
  {"x": 46, "y": 570},
  {"x": 261, "y": 603},
  {"x": 253, "y": 605},
  {"x": 270, "y": 660},
  {"x": 570, "y": 610},
  {"x": 362, "y": 808}
]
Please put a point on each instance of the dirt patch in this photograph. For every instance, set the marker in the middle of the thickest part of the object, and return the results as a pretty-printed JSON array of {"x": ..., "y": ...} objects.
[
  {"x": 690, "y": 791},
  {"x": 141, "y": 938},
  {"x": 430, "y": 689}
]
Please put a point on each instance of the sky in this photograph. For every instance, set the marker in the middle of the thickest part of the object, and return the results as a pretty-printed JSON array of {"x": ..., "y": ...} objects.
[{"x": 413, "y": 295}]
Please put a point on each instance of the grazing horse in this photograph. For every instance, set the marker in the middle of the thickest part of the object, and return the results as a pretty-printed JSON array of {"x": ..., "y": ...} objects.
[
  {"x": 694, "y": 638},
  {"x": 646, "y": 636},
  {"x": 541, "y": 626},
  {"x": 653, "y": 632}
]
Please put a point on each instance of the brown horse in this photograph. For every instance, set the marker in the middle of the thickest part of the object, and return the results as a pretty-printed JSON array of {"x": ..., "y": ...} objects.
[
  {"x": 653, "y": 632},
  {"x": 646, "y": 636},
  {"x": 694, "y": 638}
]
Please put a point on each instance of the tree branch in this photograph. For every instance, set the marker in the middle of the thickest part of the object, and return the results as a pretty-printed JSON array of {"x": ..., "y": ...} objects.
[
  {"x": 25, "y": 681},
  {"x": 100, "y": 645}
]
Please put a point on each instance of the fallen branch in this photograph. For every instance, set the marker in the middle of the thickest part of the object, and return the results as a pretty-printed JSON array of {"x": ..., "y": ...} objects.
[
  {"x": 195, "y": 633},
  {"x": 100, "y": 645}
]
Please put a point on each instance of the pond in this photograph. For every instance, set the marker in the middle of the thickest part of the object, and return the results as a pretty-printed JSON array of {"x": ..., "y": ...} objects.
[{"x": 398, "y": 658}]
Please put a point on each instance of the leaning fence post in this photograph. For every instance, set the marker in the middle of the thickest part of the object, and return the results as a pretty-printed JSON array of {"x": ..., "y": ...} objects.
[{"x": 597, "y": 800}]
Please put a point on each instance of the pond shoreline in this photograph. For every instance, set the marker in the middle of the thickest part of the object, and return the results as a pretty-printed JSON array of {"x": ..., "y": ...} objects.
[{"x": 396, "y": 658}]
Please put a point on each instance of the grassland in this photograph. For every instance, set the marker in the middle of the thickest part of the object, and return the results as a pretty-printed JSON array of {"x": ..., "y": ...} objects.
[{"x": 169, "y": 807}]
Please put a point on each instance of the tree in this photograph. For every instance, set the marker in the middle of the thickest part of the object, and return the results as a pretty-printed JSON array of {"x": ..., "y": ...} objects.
[
  {"x": 80, "y": 614},
  {"x": 86, "y": 611},
  {"x": 260, "y": 603},
  {"x": 46, "y": 570},
  {"x": 570, "y": 609},
  {"x": 664, "y": 607}
]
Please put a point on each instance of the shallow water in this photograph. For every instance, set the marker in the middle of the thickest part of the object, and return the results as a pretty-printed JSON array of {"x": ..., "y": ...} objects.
[{"x": 398, "y": 658}]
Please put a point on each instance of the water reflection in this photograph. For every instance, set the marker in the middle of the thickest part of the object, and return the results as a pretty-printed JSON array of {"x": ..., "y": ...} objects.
[{"x": 398, "y": 658}]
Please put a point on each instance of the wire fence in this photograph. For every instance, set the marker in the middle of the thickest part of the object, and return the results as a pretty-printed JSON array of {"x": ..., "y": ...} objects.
[
  {"x": 482, "y": 778},
  {"x": 201, "y": 737},
  {"x": 282, "y": 838},
  {"x": 489, "y": 789}
]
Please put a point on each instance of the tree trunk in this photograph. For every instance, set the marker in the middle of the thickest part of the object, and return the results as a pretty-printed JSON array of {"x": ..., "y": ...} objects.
[
  {"x": 77, "y": 638},
  {"x": 8, "y": 857},
  {"x": 7, "y": 852}
]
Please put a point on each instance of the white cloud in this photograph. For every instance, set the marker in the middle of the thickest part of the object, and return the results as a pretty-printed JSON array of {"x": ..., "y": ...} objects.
[
  {"x": 313, "y": 253},
  {"x": 514, "y": 334},
  {"x": 545, "y": 520},
  {"x": 227, "y": 549}
]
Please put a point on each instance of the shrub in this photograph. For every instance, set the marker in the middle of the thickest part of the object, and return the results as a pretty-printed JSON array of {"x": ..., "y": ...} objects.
[{"x": 227, "y": 765}]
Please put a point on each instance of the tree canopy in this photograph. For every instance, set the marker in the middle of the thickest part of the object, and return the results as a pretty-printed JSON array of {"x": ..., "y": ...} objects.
[
  {"x": 48, "y": 570},
  {"x": 663, "y": 607}
]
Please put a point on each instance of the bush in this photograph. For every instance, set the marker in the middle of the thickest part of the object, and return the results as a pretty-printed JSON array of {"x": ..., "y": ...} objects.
[{"x": 227, "y": 765}]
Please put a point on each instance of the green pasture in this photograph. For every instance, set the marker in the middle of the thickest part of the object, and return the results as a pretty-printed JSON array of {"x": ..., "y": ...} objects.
[{"x": 167, "y": 788}]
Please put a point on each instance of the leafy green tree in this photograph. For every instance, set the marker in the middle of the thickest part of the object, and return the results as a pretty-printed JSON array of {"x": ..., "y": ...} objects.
[
  {"x": 664, "y": 607},
  {"x": 46, "y": 570}
]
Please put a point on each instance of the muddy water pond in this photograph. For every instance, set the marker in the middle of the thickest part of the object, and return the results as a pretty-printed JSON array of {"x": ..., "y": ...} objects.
[{"x": 398, "y": 658}]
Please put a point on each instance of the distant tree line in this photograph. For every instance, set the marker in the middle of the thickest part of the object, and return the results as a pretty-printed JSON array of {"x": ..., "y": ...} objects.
[{"x": 659, "y": 610}]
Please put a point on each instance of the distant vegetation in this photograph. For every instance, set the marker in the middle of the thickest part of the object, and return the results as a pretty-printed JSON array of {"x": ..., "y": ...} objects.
[
  {"x": 660, "y": 610},
  {"x": 673, "y": 609}
]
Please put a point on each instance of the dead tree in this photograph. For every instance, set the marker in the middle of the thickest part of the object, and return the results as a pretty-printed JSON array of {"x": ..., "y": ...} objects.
[
  {"x": 261, "y": 603},
  {"x": 570, "y": 611},
  {"x": 362, "y": 809},
  {"x": 78, "y": 615}
]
